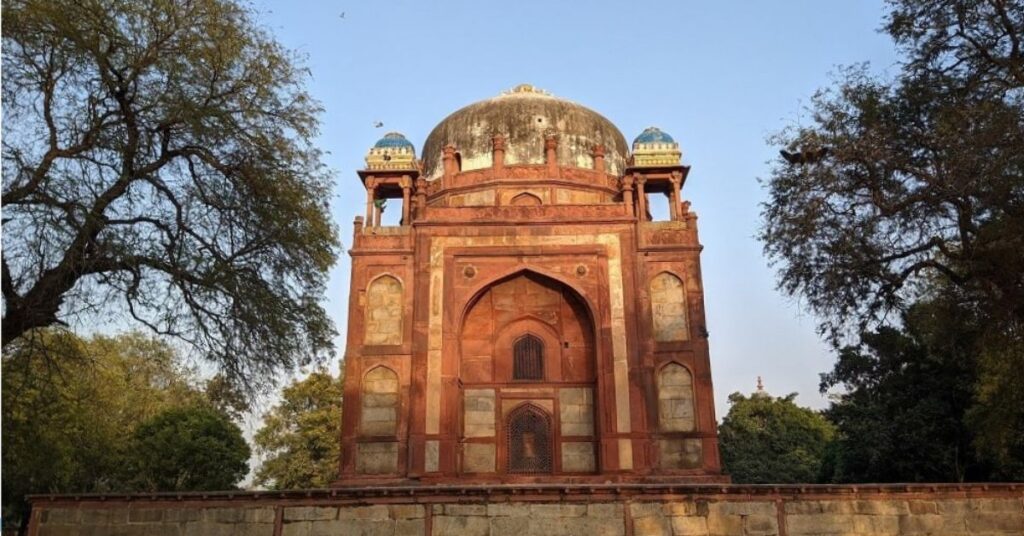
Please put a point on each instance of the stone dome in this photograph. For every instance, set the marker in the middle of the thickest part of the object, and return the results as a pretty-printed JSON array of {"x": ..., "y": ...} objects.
[
  {"x": 525, "y": 115},
  {"x": 653, "y": 135},
  {"x": 393, "y": 140}
]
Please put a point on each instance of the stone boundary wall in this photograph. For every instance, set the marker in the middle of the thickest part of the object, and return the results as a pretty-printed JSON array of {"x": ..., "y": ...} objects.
[{"x": 524, "y": 510}]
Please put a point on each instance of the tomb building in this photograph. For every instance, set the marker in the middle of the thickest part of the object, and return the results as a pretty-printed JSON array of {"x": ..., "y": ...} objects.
[{"x": 528, "y": 319}]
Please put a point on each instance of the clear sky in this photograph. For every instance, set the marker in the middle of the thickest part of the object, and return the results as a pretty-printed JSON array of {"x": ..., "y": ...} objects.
[{"x": 718, "y": 76}]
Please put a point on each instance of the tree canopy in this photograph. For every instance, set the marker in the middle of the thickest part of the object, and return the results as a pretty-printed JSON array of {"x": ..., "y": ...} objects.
[
  {"x": 192, "y": 448},
  {"x": 765, "y": 440},
  {"x": 918, "y": 196},
  {"x": 924, "y": 178},
  {"x": 904, "y": 412},
  {"x": 158, "y": 159},
  {"x": 71, "y": 429},
  {"x": 300, "y": 440}
]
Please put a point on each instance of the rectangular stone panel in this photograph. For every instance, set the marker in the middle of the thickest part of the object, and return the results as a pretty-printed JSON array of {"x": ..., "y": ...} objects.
[
  {"x": 478, "y": 457},
  {"x": 376, "y": 458},
  {"x": 680, "y": 453},
  {"x": 431, "y": 456},
  {"x": 478, "y": 418},
  {"x": 675, "y": 399},
  {"x": 576, "y": 411},
  {"x": 578, "y": 457}
]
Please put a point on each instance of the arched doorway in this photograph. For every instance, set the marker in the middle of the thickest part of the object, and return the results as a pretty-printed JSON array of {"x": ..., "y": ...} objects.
[{"x": 528, "y": 375}]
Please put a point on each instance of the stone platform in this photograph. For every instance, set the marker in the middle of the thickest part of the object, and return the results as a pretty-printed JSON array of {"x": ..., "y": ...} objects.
[{"x": 546, "y": 509}]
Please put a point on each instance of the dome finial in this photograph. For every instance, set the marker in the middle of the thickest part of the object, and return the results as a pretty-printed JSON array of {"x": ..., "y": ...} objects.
[{"x": 525, "y": 89}]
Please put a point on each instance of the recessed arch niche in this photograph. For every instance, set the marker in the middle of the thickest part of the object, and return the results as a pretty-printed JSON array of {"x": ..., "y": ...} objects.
[
  {"x": 384, "y": 311},
  {"x": 527, "y": 303},
  {"x": 528, "y": 377}
]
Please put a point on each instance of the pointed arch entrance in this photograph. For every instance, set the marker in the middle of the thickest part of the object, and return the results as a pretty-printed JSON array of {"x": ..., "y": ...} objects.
[{"x": 528, "y": 376}]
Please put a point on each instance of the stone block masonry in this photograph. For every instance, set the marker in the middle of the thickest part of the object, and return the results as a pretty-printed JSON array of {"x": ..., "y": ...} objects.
[{"x": 622, "y": 509}]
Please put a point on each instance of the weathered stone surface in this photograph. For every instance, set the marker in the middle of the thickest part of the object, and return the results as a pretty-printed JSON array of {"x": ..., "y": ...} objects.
[
  {"x": 384, "y": 311},
  {"x": 689, "y": 525},
  {"x": 407, "y": 511},
  {"x": 576, "y": 411},
  {"x": 461, "y": 526},
  {"x": 376, "y": 458},
  {"x": 578, "y": 457},
  {"x": 510, "y": 526},
  {"x": 652, "y": 525},
  {"x": 668, "y": 307},
  {"x": 431, "y": 455},
  {"x": 711, "y": 516},
  {"x": 478, "y": 420},
  {"x": 379, "y": 416},
  {"x": 310, "y": 513},
  {"x": 465, "y": 509},
  {"x": 378, "y": 512},
  {"x": 478, "y": 457},
  {"x": 558, "y": 510},
  {"x": 410, "y": 527},
  {"x": 675, "y": 399},
  {"x": 679, "y": 453},
  {"x": 605, "y": 510}
]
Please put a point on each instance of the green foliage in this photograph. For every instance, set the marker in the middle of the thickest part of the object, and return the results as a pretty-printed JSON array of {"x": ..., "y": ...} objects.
[
  {"x": 159, "y": 155},
  {"x": 71, "y": 407},
  {"x": 907, "y": 395},
  {"x": 920, "y": 195},
  {"x": 226, "y": 397},
  {"x": 772, "y": 440},
  {"x": 300, "y": 441},
  {"x": 189, "y": 449},
  {"x": 924, "y": 178}
]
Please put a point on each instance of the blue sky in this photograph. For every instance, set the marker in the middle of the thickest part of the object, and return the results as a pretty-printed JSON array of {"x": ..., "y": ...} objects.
[{"x": 718, "y": 76}]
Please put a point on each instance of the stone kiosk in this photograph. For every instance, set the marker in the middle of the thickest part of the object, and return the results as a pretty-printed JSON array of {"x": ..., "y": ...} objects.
[{"x": 527, "y": 354}]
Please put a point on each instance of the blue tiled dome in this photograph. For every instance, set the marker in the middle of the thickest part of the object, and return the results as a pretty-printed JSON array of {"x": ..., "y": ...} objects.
[
  {"x": 393, "y": 140},
  {"x": 653, "y": 135}
]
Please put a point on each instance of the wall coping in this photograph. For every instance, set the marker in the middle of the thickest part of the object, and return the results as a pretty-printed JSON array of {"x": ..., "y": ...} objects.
[{"x": 549, "y": 493}]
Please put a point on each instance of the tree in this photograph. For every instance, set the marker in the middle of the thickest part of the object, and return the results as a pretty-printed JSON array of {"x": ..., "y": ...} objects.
[
  {"x": 187, "y": 449},
  {"x": 226, "y": 397},
  {"x": 772, "y": 440},
  {"x": 904, "y": 411},
  {"x": 924, "y": 177},
  {"x": 920, "y": 194},
  {"x": 158, "y": 154},
  {"x": 300, "y": 441},
  {"x": 68, "y": 429}
]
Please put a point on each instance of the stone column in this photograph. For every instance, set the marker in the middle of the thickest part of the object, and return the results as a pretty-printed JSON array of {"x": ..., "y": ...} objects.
[
  {"x": 599, "y": 158},
  {"x": 498, "y": 154},
  {"x": 449, "y": 162},
  {"x": 627, "y": 194},
  {"x": 641, "y": 196},
  {"x": 421, "y": 197},
  {"x": 371, "y": 196},
  {"x": 677, "y": 179},
  {"x": 406, "y": 183},
  {"x": 551, "y": 154}
]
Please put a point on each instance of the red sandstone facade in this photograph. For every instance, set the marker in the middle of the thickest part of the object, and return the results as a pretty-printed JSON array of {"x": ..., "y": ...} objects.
[{"x": 527, "y": 321}]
